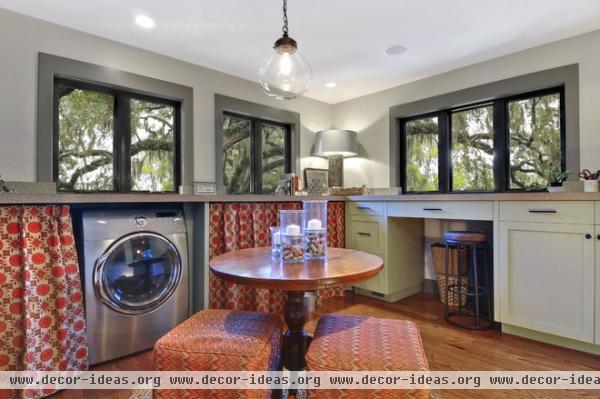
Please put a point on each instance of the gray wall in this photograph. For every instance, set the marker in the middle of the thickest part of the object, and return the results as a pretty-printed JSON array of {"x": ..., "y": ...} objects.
[
  {"x": 369, "y": 115},
  {"x": 22, "y": 37}
]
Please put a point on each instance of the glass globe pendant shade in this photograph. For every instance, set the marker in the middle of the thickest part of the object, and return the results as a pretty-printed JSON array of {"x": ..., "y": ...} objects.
[{"x": 285, "y": 74}]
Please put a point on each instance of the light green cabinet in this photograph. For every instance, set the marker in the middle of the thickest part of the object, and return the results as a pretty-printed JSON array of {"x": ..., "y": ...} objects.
[
  {"x": 398, "y": 241},
  {"x": 547, "y": 277}
]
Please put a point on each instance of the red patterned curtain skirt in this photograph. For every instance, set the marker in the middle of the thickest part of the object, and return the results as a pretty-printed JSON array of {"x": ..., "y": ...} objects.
[
  {"x": 235, "y": 226},
  {"x": 42, "y": 325}
]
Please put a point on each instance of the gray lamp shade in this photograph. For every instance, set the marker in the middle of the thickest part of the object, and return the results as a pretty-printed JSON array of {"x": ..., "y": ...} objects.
[{"x": 336, "y": 142}]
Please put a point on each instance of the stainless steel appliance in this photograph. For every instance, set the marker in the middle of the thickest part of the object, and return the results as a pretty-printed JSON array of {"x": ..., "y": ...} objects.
[{"x": 135, "y": 279}]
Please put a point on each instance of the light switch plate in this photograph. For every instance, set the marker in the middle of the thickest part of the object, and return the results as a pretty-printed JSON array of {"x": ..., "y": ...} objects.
[{"x": 204, "y": 188}]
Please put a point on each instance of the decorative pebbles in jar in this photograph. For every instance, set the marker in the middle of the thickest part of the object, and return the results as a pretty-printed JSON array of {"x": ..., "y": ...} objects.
[
  {"x": 292, "y": 236},
  {"x": 316, "y": 229}
]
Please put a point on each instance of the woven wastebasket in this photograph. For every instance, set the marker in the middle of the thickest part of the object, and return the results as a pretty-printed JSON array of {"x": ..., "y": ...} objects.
[{"x": 438, "y": 252}]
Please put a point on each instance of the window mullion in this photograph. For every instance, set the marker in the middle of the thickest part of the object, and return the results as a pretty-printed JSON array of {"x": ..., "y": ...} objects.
[
  {"x": 501, "y": 148},
  {"x": 122, "y": 143},
  {"x": 257, "y": 155},
  {"x": 444, "y": 155}
]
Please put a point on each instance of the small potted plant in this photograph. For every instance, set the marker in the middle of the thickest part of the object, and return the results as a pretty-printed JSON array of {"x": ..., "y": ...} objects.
[
  {"x": 556, "y": 178},
  {"x": 4, "y": 188},
  {"x": 590, "y": 180}
]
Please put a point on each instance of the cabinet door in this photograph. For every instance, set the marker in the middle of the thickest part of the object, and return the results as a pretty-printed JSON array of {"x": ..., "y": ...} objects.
[
  {"x": 374, "y": 284},
  {"x": 547, "y": 278}
]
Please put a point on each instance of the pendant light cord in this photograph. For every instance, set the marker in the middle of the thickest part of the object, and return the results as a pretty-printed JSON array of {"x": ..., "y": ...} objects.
[{"x": 285, "y": 19}]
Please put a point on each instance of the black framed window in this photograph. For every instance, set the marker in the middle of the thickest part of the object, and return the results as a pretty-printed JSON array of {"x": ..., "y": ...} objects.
[
  {"x": 256, "y": 153},
  {"x": 506, "y": 144},
  {"x": 472, "y": 149},
  {"x": 109, "y": 140},
  {"x": 422, "y": 142}
]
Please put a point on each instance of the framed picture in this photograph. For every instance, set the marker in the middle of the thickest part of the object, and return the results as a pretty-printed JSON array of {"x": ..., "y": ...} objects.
[{"x": 316, "y": 181}]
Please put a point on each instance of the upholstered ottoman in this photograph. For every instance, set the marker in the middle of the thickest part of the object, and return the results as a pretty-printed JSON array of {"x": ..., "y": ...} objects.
[
  {"x": 351, "y": 343},
  {"x": 220, "y": 340}
]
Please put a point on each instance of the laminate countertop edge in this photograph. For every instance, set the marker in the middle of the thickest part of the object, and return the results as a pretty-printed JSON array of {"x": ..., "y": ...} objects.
[{"x": 24, "y": 198}]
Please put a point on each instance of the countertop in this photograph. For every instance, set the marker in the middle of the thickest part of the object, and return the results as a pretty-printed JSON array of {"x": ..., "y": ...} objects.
[
  {"x": 516, "y": 196},
  {"x": 23, "y": 198},
  {"x": 18, "y": 198}
]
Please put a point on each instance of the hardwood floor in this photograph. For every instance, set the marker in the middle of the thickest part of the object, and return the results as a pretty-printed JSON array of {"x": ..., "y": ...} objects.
[{"x": 447, "y": 348}]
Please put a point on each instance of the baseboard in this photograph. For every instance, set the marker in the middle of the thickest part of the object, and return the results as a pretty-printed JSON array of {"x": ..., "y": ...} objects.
[
  {"x": 551, "y": 339},
  {"x": 393, "y": 297}
]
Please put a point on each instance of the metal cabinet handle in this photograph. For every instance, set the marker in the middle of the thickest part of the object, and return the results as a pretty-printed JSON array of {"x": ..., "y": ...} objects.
[
  {"x": 598, "y": 236},
  {"x": 363, "y": 208},
  {"x": 360, "y": 233},
  {"x": 588, "y": 236},
  {"x": 542, "y": 210},
  {"x": 432, "y": 209}
]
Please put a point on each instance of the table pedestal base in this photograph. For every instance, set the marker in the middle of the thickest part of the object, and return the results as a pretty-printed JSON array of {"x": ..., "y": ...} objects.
[{"x": 295, "y": 339}]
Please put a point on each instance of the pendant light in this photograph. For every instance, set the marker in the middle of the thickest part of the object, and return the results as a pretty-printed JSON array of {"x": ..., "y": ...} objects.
[{"x": 286, "y": 74}]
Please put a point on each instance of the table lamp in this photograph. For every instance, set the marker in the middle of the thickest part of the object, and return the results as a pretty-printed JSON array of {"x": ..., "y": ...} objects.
[{"x": 336, "y": 145}]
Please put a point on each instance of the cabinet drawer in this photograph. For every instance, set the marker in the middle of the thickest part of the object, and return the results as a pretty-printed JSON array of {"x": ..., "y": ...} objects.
[
  {"x": 466, "y": 210},
  {"x": 365, "y": 235},
  {"x": 574, "y": 212},
  {"x": 366, "y": 208}
]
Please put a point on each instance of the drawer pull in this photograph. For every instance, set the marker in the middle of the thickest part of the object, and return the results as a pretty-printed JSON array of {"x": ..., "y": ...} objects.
[
  {"x": 363, "y": 208},
  {"x": 588, "y": 236},
  {"x": 542, "y": 210},
  {"x": 432, "y": 209},
  {"x": 360, "y": 233}
]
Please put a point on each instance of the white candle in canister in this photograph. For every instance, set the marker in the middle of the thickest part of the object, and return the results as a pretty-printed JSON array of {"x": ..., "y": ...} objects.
[
  {"x": 277, "y": 238},
  {"x": 292, "y": 230},
  {"x": 314, "y": 224}
]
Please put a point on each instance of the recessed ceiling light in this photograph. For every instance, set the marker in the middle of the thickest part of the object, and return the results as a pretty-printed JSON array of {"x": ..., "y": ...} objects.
[
  {"x": 330, "y": 85},
  {"x": 396, "y": 49},
  {"x": 144, "y": 21}
]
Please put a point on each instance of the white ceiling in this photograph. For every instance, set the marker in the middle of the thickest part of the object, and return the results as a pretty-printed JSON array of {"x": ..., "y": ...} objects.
[{"x": 344, "y": 40}]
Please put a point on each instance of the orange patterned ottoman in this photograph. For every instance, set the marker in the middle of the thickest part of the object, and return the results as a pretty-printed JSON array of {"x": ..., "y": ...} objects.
[
  {"x": 220, "y": 340},
  {"x": 352, "y": 343}
]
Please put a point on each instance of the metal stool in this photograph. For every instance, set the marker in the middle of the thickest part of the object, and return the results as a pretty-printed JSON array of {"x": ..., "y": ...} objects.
[{"x": 474, "y": 241}]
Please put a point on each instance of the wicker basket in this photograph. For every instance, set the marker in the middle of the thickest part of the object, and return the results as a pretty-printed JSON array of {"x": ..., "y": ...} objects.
[
  {"x": 347, "y": 190},
  {"x": 438, "y": 252}
]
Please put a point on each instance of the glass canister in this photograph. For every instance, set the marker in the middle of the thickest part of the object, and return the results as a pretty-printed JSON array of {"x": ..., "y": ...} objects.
[
  {"x": 316, "y": 229},
  {"x": 292, "y": 236},
  {"x": 275, "y": 241}
]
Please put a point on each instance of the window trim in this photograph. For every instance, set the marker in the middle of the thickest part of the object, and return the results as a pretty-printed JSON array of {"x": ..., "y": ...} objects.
[
  {"x": 566, "y": 76},
  {"x": 121, "y": 135},
  {"x": 250, "y": 110},
  {"x": 51, "y": 67},
  {"x": 501, "y": 163}
]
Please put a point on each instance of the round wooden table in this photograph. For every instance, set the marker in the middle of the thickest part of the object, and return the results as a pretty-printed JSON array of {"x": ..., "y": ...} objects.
[{"x": 255, "y": 267}]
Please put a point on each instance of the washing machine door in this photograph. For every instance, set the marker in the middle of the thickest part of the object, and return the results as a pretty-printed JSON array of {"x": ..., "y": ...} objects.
[{"x": 137, "y": 273}]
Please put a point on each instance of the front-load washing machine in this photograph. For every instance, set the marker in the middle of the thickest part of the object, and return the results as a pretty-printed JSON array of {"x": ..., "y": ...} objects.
[{"x": 135, "y": 278}]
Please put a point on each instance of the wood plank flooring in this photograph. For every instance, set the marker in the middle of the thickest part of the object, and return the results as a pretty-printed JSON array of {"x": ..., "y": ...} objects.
[{"x": 447, "y": 348}]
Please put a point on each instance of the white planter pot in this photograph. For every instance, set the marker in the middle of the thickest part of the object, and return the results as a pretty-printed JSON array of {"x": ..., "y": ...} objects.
[
  {"x": 590, "y": 186},
  {"x": 556, "y": 189}
]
